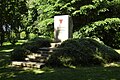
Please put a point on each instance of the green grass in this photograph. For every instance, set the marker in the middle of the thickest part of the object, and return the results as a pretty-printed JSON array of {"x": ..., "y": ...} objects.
[{"x": 82, "y": 73}]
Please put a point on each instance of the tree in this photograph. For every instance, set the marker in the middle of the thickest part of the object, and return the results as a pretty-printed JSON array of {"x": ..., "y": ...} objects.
[
  {"x": 101, "y": 19},
  {"x": 11, "y": 13},
  {"x": 41, "y": 13},
  {"x": 41, "y": 16},
  {"x": 37, "y": 16},
  {"x": 84, "y": 13}
]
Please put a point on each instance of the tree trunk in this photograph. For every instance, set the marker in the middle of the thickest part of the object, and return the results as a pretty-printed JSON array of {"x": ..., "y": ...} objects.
[
  {"x": 2, "y": 38},
  {"x": 18, "y": 35},
  {"x": 27, "y": 35}
]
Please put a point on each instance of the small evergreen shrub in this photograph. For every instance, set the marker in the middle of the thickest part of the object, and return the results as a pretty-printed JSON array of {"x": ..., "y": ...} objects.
[
  {"x": 41, "y": 42},
  {"x": 83, "y": 52},
  {"x": 32, "y": 48},
  {"x": 36, "y": 43},
  {"x": 19, "y": 54}
]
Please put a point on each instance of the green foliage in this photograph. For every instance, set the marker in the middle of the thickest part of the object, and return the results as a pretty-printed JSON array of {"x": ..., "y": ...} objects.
[
  {"x": 107, "y": 30},
  {"x": 8, "y": 73},
  {"x": 32, "y": 36},
  {"x": 42, "y": 42},
  {"x": 86, "y": 8},
  {"x": 41, "y": 13},
  {"x": 83, "y": 52},
  {"x": 19, "y": 54},
  {"x": 13, "y": 38},
  {"x": 22, "y": 35},
  {"x": 40, "y": 16},
  {"x": 36, "y": 16},
  {"x": 36, "y": 43},
  {"x": 12, "y": 12}
]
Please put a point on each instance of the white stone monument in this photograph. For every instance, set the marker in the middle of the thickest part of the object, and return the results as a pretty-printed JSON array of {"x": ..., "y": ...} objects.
[{"x": 63, "y": 26}]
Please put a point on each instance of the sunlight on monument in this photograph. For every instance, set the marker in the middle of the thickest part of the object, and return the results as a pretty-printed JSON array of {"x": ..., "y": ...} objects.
[{"x": 63, "y": 26}]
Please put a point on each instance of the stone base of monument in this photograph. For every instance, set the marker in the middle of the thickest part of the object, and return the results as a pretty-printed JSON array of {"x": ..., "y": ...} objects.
[{"x": 55, "y": 44}]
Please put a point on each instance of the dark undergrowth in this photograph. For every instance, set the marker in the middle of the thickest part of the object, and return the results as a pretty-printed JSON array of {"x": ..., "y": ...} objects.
[{"x": 47, "y": 73}]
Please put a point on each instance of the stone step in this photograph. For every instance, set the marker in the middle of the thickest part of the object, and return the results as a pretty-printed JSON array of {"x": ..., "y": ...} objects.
[
  {"x": 34, "y": 54},
  {"x": 38, "y": 60},
  {"x": 45, "y": 55},
  {"x": 47, "y": 50},
  {"x": 44, "y": 52},
  {"x": 53, "y": 45},
  {"x": 39, "y": 56},
  {"x": 27, "y": 64}
]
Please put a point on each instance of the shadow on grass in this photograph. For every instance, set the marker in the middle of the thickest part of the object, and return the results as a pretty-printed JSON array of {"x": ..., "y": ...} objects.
[
  {"x": 5, "y": 52},
  {"x": 4, "y": 59},
  {"x": 90, "y": 73},
  {"x": 6, "y": 48}
]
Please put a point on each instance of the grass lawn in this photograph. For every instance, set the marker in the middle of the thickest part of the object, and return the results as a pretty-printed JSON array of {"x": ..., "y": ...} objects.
[{"x": 82, "y": 73}]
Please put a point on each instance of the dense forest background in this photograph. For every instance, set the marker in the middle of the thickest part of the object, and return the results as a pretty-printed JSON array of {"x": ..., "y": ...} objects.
[{"x": 91, "y": 18}]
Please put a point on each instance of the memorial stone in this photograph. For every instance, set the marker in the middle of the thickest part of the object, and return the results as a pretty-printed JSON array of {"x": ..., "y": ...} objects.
[{"x": 63, "y": 26}]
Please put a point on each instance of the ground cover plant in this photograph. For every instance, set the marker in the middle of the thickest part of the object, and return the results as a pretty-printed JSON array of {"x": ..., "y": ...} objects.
[{"x": 83, "y": 52}]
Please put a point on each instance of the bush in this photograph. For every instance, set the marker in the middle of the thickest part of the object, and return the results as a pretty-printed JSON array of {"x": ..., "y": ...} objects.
[
  {"x": 22, "y": 35},
  {"x": 32, "y": 48},
  {"x": 36, "y": 43},
  {"x": 83, "y": 52},
  {"x": 41, "y": 42},
  {"x": 32, "y": 36},
  {"x": 19, "y": 54}
]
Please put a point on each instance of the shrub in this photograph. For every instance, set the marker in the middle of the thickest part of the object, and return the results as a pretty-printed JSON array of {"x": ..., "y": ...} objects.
[
  {"x": 32, "y": 36},
  {"x": 19, "y": 54},
  {"x": 22, "y": 35},
  {"x": 36, "y": 43},
  {"x": 41, "y": 42},
  {"x": 83, "y": 52},
  {"x": 32, "y": 48}
]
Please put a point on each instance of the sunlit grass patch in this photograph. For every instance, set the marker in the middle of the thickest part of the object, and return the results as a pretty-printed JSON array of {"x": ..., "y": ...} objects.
[
  {"x": 114, "y": 64},
  {"x": 8, "y": 47},
  {"x": 7, "y": 50},
  {"x": 21, "y": 42},
  {"x": 43, "y": 70},
  {"x": 6, "y": 43}
]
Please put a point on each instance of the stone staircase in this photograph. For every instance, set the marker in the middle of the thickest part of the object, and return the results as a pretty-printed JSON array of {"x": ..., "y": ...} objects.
[{"x": 37, "y": 60}]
